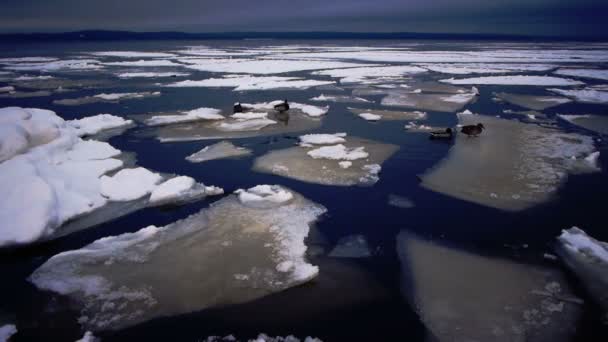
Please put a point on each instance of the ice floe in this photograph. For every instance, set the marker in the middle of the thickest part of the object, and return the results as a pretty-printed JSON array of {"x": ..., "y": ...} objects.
[
  {"x": 246, "y": 82},
  {"x": 400, "y": 201},
  {"x": 88, "y": 337},
  {"x": 584, "y": 73},
  {"x": 245, "y": 125},
  {"x": 262, "y": 67},
  {"x": 370, "y": 116},
  {"x": 322, "y": 139},
  {"x": 390, "y": 114},
  {"x": 339, "y": 98},
  {"x": 6, "y": 331},
  {"x": 354, "y": 246},
  {"x": 466, "y": 68},
  {"x": 145, "y": 63},
  {"x": 262, "y": 338},
  {"x": 220, "y": 150},
  {"x": 461, "y": 296},
  {"x": 516, "y": 80},
  {"x": 198, "y": 114},
  {"x": 326, "y": 164},
  {"x": 181, "y": 189},
  {"x": 151, "y": 74},
  {"x": 33, "y": 78},
  {"x": 122, "y": 280},
  {"x": 7, "y": 89},
  {"x": 103, "y": 97},
  {"x": 91, "y": 125},
  {"x": 588, "y": 259},
  {"x": 533, "y": 102},
  {"x": 371, "y": 74},
  {"x": 129, "y": 184},
  {"x": 585, "y": 95},
  {"x": 596, "y": 123},
  {"x": 61, "y": 65},
  {"x": 511, "y": 165},
  {"x": 133, "y": 54},
  {"x": 432, "y": 102},
  {"x": 25, "y": 94}
]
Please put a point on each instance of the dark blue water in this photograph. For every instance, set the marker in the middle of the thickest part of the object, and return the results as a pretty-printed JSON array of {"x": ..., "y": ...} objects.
[{"x": 354, "y": 300}]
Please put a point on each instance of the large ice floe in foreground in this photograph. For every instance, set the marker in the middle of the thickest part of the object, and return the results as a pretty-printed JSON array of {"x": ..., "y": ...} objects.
[
  {"x": 588, "y": 259},
  {"x": 596, "y": 123},
  {"x": 106, "y": 98},
  {"x": 329, "y": 159},
  {"x": 516, "y": 80},
  {"x": 511, "y": 165},
  {"x": 462, "y": 297},
  {"x": 257, "y": 120},
  {"x": 248, "y": 82},
  {"x": 533, "y": 102},
  {"x": 52, "y": 176},
  {"x": 244, "y": 246}
]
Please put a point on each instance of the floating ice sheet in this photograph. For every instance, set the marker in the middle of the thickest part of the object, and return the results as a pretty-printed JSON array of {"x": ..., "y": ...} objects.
[
  {"x": 391, "y": 114},
  {"x": 339, "y": 98},
  {"x": 105, "y": 98},
  {"x": 6, "y": 331},
  {"x": 151, "y": 74},
  {"x": 596, "y": 123},
  {"x": 198, "y": 114},
  {"x": 94, "y": 124},
  {"x": 511, "y": 165},
  {"x": 145, "y": 63},
  {"x": 370, "y": 73},
  {"x": 533, "y": 102},
  {"x": 516, "y": 80},
  {"x": 585, "y": 95},
  {"x": 354, "y": 162},
  {"x": 432, "y": 102},
  {"x": 57, "y": 65},
  {"x": 133, "y": 54},
  {"x": 262, "y": 67},
  {"x": 246, "y": 82},
  {"x": 471, "y": 68},
  {"x": 220, "y": 150},
  {"x": 588, "y": 259},
  {"x": 584, "y": 73},
  {"x": 466, "y": 297},
  {"x": 122, "y": 280}
]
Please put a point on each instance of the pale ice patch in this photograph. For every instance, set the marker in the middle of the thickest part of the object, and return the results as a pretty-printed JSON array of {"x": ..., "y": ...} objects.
[
  {"x": 390, "y": 114},
  {"x": 325, "y": 165},
  {"x": 94, "y": 124},
  {"x": 310, "y": 110},
  {"x": 181, "y": 189},
  {"x": 322, "y": 139},
  {"x": 120, "y": 281},
  {"x": 417, "y": 127},
  {"x": 461, "y": 296},
  {"x": 588, "y": 259},
  {"x": 129, "y": 184},
  {"x": 585, "y": 95},
  {"x": 246, "y": 82},
  {"x": 596, "y": 123},
  {"x": 533, "y": 102},
  {"x": 245, "y": 125},
  {"x": 471, "y": 68},
  {"x": 151, "y": 74},
  {"x": 339, "y": 98},
  {"x": 7, "y": 89},
  {"x": 371, "y": 73},
  {"x": 262, "y": 67},
  {"x": 11, "y": 60},
  {"x": 370, "y": 116},
  {"x": 511, "y": 165},
  {"x": 16, "y": 94},
  {"x": 198, "y": 114},
  {"x": 6, "y": 331},
  {"x": 354, "y": 246},
  {"x": 33, "y": 78},
  {"x": 432, "y": 102},
  {"x": 516, "y": 80},
  {"x": 249, "y": 116},
  {"x": 89, "y": 337},
  {"x": 133, "y": 54},
  {"x": 145, "y": 63},
  {"x": 57, "y": 65},
  {"x": 262, "y": 338},
  {"x": 103, "y": 97},
  {"x": 584, "y": 73},
  {"x": 220, "y": 150}
]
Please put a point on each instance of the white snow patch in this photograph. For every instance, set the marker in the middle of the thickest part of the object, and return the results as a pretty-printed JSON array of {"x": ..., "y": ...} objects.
[
  {"x": 264, "y": 196},
  {"x": 94, "y": 124},
  {"x": 516, "y": 80},
  {"x": 245, "y": 125},
  {"x": 366, "y": 74},
  {"x": 198, "y": 114},
  {"x": 261, "y": 67},
  {"x": 586, "y": 95},
  {"x": 246, "y": 82},
  {"x": 322, "y": 139},
  {"x": 151, "y": 74},
  {"x": 370, "y": 116},
  {"x": 584, "y": 73},
  {"x": 338, "y": 152},
  {"x": 129, "y": 184}
]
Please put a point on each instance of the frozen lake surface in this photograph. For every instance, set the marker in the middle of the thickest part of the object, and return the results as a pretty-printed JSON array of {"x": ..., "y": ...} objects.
[{"x": 160, "y": 191}]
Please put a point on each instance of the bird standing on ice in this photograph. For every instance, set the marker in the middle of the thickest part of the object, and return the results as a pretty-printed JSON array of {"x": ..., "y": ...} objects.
[
  {"x": 282, "y": 107},
  {"x": 472, "y": 130}
]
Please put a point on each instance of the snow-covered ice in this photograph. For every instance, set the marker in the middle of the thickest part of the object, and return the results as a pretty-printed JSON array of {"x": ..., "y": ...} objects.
[
  {"x": 262, "y": 67},
  {"x": 245, "y": 125},
  {"x": 324, "y": 164},
  {"x": 584, "y": 73},
  {"x": 57, "y": 65},
  {"x": 585, "y": 95},
  {"x": 511, "y": 165},
  {"x": 322, "y": 138},
  {"x": 145, "y": 63},
  {"x": 151, "y": 74},
  {"x": 88, "y": 337},
  {"x": 181, "y": 189},
  {"x": 468, "y": 68},
  {"x": 596, "y": 123},
  {"x": 198, "y": 114},
  {"x": 133, "y": 54},
  {"x": 339, "y": 98},
  {"x": 94, "y": 124},
  {"x": 220, "y": 150},
  {"x": 247, "y": 82},
  {"x": 6, "y": 331},
  {"x": 516, "y": 80},
  {"x": 129, "y": 184},
  {"x": 121, "y": 280},
  {"x": 371, "y": 74},
  {"x": 432, "y": 102}
]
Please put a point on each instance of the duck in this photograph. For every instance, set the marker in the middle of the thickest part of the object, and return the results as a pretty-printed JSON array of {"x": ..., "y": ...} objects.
[
  {"x": 282, "y": 107},
  {"x": 237, "y": 108},
  {"x": 472, "y": 130},
  {"x": 447, "y": 134}
]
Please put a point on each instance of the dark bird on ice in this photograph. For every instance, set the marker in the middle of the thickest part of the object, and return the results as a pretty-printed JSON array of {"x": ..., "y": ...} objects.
[
  {"x": 282, "y": 107},
  {"x": 447, "y": 134},
  {"x": 237, "y": 108},
  {"x": 472, "y": 130}
]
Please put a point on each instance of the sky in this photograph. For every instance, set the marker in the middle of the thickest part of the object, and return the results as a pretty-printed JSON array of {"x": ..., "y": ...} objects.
[{"x": 530, "y": 17}]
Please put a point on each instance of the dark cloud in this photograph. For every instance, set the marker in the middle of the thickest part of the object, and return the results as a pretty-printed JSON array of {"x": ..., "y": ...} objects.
[{"x": 541, "y": 17}]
